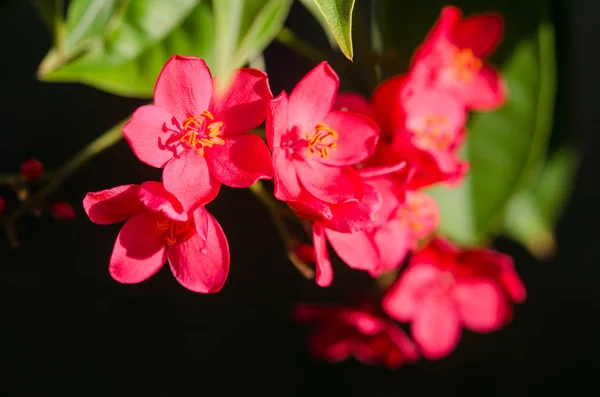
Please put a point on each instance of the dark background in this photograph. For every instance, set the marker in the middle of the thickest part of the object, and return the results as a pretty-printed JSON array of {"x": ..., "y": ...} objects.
[{"x": 67, "y": 327}]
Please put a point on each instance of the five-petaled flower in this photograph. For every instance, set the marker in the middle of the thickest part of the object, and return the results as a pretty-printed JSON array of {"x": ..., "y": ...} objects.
[
  {"x": 444, "y": 289},
  {"x": 343, "y": 332},
  {"x": 198, "y": 134},
  {"x": 158, "y": 228},
  {"x": 314, "y": 146},
  {"x": 452, "y": 59}
]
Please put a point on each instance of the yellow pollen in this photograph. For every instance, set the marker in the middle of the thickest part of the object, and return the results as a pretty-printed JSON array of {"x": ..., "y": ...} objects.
[
  {"x": 175, "y": 231},
  {"x": 465, "y": 64},
  {"x": 434, "y": 134},
  {"x": 198, "y": 134},
  {"x": 322, "y": 140},
  {"x": 418, "y": 215}
]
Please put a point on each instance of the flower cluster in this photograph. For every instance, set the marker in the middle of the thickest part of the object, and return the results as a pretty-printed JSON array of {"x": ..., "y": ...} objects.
[{"x": 351, "y": 168}]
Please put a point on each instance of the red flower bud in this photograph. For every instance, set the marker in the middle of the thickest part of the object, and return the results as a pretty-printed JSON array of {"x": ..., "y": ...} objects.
[
  {"x": 32, "y": 170},
  {"x": 62, "y": 210}
]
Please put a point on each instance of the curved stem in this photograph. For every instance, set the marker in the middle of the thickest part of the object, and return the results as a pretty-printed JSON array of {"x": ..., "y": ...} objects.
[
  {"x": 276, "y": 210},
  {"x": 103, "y": 142},
  {"x": 288, "y": 38}
]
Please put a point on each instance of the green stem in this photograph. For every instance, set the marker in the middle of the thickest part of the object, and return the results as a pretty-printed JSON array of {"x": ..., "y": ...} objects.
[
  {"x": 274, "y": 208},
  {"x": 103, "y": 142},
  {"x": 288, "y": 38},
  {"x": 59, "y": 26}
]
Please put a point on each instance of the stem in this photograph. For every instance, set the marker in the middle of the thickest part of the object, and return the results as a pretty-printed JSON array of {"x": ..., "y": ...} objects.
[
  {"x": 103, "y": 142},
  {"x": 59, "y": 26},
  {"x": 288, "y": 38},
  {"x": 274, "y": 208}
]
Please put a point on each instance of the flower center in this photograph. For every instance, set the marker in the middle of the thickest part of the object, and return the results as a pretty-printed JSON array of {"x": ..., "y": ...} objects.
[
  {"x": 175, "y": 231},
  {"x": 202, "y": 131},
  {"x": 434, "y": 133},
  {"x": 465, "y": 64},
  {"x": 321, "y": 140},
  {"x": 420, "y": 214}
]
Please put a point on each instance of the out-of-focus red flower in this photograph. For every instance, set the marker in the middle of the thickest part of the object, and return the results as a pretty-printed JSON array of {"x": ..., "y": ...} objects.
[
  {"x": 157, "y": 228},
  {"x": 452, "y": 56},
  {"x": 342, "y": 332},
  {"x": 2, "y": 206},
  {"x": 199, "y": 135},
  {"x": 32, "y": 170},
  {"x": 62, "y": 210},
  {"x": 444, "y": 289}
]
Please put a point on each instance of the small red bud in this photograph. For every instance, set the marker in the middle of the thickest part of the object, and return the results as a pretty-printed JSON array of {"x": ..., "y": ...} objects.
[
  {"x": 62, "y": 210},
  {"x": 306, "y": 253},
  {"x": 32, "y": 170}
]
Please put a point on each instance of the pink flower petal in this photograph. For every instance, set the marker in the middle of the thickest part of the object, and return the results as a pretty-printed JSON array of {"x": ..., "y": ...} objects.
[
  {"x": 154, "y": 196},
  {"x": 352, "y": 102},
  {"x": 277, "y": 120},
  {"x": 436, "y": 327},
  {"x": 481, "y": 33},
  {"x": 353, "y": 216},
  {"x": 324, "y": 275},
  {"x": 146, "y": 133},
  {"x": 332, "y": 342},
  {"x": 479, "y": 304},
  {"x": 392, "y": 242},
  {"x": 313, "y": 97},
  {"x": 201, "y": 265},
  {"x": 241, "y": 161},
  {"x": 330, "y": 184},
  {"x": 113, "y": 205},
  {"x": 309, "y": 207},
  {"x": 356, "y": 249},
  {"x": 441, "y": 33},
  {"x": 243, "y": 106},
  {"x": 386, "y": 104},
  {"x": 357, "y": 137},
  {"x": 139, "y": 252},
  {"x": 189, "y": 179},
  {"x": 287, "y": 185},
  {"x": 404, "y": 343},
  {"x": 404, "y": 298},
  {"x": 488, "y": 91},
  {"x": 184, "y": 87}
]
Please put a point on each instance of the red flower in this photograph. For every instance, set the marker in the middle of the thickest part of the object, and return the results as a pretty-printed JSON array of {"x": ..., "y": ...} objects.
[
  {"x": 197, "y": 135},
  {"x": 383, "y": 246},
  {"x": 62, "y": 210},
  {"x": 158, "y": 228},
  {"x": 444, "y": 289},
  {"x": 32, "y": 170},
  {"x": 343, "y": 332},
  {"x": 314, "y": 147},
  {"x": 452, "y": 59}
]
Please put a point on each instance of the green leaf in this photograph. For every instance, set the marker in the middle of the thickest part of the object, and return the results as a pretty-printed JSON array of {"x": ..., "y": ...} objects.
[
  {"x": 312, "y": 7},
  {"x": 50, "y": 11},
  {"x": 506, "y": 146},
  {"x": 555, "y": 183},
  {"x": 533, "y": 212},
  {"x": 87, "y": 19},
  {"x": 125, "y": 55},
  {"x": 244, "y": 29},
  {"x": 338, "y": 14}
]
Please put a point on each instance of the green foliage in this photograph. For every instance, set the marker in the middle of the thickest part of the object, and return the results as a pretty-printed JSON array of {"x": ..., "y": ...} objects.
[
  {"x": 336, "y": 18},
  {"x": 243, "y": 30},
  {"x": 120, "y": 46}
]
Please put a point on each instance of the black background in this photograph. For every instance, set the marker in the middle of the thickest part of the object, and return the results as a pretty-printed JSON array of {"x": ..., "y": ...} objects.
[{"x": 67, "y": 327}]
